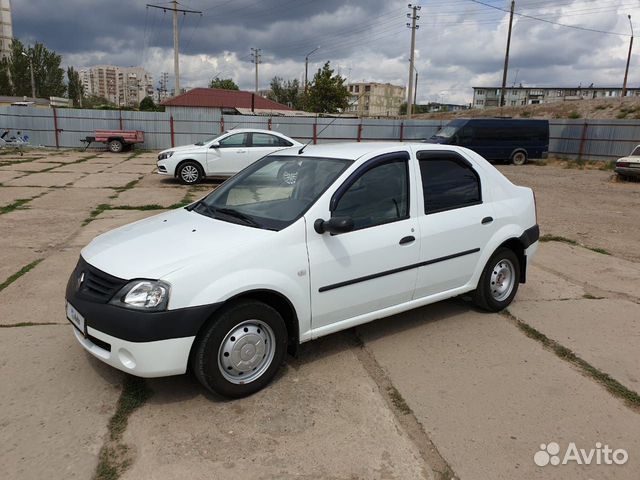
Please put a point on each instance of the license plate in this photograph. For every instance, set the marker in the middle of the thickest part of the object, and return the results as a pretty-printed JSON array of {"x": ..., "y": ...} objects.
[{"x": 74, "y": 317}]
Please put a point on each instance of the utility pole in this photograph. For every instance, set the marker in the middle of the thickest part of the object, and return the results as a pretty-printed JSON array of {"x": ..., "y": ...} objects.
[
  {"x": 176, "y": 37},
  {"x": 306, "y": 67},
  {"x": 414, "y": 18},
  {"x": 255, "y": 54},
  {"x": 626, "y": 71},
  {"x": 506, "y": 56}
]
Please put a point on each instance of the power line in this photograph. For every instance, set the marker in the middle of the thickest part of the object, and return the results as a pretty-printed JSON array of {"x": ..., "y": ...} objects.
[{"x": 576, "y": 27}]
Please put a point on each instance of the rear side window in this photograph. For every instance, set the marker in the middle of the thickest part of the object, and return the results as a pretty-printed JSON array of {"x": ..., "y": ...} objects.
[{"x": 448, "y": 182}]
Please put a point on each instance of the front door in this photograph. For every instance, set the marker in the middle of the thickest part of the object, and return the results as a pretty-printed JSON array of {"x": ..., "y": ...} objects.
[
  {"x": 365, "y": 270},
  {"x": 229, "y": 156}
]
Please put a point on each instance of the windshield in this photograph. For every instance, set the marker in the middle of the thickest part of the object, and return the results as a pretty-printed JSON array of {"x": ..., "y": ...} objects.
[
  {"x": 446, "y": 132},
  {"x": 636, "y": 152},
  {"x": 273, "y": 192},
  {"x": 210, "y": 139}
]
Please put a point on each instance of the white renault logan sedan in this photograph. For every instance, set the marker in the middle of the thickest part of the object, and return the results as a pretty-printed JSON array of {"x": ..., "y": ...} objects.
[
  {"x": 222, "y": 156},
  {"x": 234, "y": 280}
]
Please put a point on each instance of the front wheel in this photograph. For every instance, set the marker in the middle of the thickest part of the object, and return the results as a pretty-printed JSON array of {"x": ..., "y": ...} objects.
[
  {"x": 190, "y": 173},
  {"x": 116, "y": 146},
  {"x": 519, "y": 158},
  {"x": 499, "y": 281},
  {"x": 241, "y": 350}
]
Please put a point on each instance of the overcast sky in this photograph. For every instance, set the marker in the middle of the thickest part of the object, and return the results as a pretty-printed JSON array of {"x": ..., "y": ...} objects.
[{"x": 459, "y": 44}]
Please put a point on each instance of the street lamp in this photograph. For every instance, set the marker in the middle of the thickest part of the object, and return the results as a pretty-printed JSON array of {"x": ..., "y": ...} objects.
[
  {"x": 626, "y": 71},
  {"x": 33, "y": 82},
  {"x": 306, "y": 66}
]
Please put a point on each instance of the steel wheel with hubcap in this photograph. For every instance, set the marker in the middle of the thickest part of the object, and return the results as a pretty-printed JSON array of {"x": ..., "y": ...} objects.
[
  {"x": 189, "y": 173},
  {"x": 519, "y": 158},
  {"x": 499, "y": 281},
  {"x": 241, "y": 349},
  {"x": 115, "y": 146}
]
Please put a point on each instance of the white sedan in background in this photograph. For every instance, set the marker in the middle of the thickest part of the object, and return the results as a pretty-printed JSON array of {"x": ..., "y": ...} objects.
[{"x": 222, "y": 156}]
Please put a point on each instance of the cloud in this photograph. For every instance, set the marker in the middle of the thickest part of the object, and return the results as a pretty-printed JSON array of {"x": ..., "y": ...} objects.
[{"x": 460, "y": 44}]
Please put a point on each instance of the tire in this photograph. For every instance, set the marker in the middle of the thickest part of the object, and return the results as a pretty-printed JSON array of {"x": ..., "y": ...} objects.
[
  {"x": 288, "y": 173},
  {"x": 499, "y": 281},
  {"x": 227, "y": 353},
  {"x": 115, "y": 146},
  {"x": 519, "y": 158},
  {"x": 190, "y": 173}
]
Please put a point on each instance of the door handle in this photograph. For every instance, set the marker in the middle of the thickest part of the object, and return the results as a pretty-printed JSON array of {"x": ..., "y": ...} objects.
[
  {"x": 406, "y": 240},
  {"x": 487, "y": 220}
]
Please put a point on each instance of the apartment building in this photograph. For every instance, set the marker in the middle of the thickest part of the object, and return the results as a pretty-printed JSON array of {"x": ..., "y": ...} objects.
[
  {"x": 370, "y": 99},
  {"x": 487, "y": 97},
  {"x": 6, "y": 28},
  {"x": 123, "y": 86}
]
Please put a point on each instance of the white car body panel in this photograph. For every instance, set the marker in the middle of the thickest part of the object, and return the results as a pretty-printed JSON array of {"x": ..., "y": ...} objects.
[{"x": 208, "y": 261}]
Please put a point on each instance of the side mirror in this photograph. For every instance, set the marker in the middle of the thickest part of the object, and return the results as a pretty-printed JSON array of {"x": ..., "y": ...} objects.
[
  {"x": 214, "y": 145},
  {"x": 334, "y": 225}
]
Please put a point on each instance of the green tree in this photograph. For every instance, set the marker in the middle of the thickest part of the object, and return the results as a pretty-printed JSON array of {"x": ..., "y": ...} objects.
[
  {"x": 99, "y": 103},
  {"x": 327, "y": 92},
  {"x": 15, "y": 78},
  {"x": 75, "y": 87},
  {"x": 286, "y": 92},
  {"x": 223, "y": 83},
  {"x": 148, "y": 105}
]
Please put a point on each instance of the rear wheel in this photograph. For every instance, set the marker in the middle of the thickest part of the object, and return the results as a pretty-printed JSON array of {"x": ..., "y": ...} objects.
[
  {"x": 115, "y": 146},
  {"x": 499, "y": 281},
  {"x": 241, "y": 350},
  {"x": 190, "y": 173},
  {"x": 519, "y": 158}
]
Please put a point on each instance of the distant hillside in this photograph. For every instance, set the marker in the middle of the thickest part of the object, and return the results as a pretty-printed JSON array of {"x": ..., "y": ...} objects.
[{"x": 627, "y": 109}]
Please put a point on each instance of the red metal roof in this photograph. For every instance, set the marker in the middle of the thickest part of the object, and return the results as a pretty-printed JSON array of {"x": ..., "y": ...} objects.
[{"x": 216, "y": 97}]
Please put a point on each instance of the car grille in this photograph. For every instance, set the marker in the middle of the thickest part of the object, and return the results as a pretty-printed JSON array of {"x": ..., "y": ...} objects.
[{"x": 96, "y": 285}]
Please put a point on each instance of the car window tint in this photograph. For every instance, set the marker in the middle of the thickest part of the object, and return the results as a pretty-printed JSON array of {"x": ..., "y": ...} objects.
[
  {"x": 265, "y": 140},
  {"x": 448, "y": 183},
  {"x": 379, "y": 196},
  {"x": 236, "y": 140}
]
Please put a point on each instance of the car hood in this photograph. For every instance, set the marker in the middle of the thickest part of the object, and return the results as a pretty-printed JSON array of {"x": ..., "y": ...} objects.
[
  {"x": 185, "y": 148},
  {"x": 157, "y": 246}
]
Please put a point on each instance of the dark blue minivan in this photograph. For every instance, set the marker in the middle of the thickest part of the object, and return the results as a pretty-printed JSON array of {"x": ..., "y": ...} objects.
[{"x": 498, "y": 139}]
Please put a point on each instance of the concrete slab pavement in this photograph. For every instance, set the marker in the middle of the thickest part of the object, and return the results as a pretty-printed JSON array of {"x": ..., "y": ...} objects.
[
  {"x": 46, "y": 179},
  {"x": 9, "y": 195},
  {"x": 488, "y": 396},
  {"x": 56, "y": 401},
  {"x": 101, "y": 180},
  {"x": 72, "y": 199},
  {"x": 322, "y": 418},
  {"x": 152, "y": 196}
]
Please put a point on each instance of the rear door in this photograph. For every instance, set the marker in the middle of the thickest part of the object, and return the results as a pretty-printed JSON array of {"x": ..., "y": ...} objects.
[
  {"x": 455, "y": 221},
  {"x": 230, "y": 156}
]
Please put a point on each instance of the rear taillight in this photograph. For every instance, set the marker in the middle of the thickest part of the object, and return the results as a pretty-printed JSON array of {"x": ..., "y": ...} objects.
[
  {"x": 535, "y": 205},
  {"x": 622, "y": 164}
]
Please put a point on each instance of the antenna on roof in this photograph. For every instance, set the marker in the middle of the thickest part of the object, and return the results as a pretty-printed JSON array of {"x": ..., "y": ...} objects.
[{"x": 330, "y": 123}]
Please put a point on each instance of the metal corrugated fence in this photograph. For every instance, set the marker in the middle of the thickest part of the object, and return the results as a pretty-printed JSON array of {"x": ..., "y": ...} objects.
[{"x": 588, "y": 139}]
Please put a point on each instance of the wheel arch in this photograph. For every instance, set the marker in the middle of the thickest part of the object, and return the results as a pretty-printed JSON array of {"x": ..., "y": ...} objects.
[
  {"x": 120, "y": 139},
  {"x": 516, "y": 246}
]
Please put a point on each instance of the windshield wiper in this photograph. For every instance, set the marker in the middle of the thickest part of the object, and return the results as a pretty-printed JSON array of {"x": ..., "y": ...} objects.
[{"x": 236, "y": 214}]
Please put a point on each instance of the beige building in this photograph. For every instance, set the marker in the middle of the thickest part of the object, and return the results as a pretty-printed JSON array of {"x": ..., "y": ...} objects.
[
  {"x": 6, "y": 28},
  {"x": 370, "y": 99},
  {"x": 124, "y": 86}
]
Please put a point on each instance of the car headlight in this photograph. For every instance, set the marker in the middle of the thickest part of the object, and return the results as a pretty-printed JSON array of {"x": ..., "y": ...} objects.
[
  {"x": 148, "y": 295},
  {"x": 164, "y": 155}
]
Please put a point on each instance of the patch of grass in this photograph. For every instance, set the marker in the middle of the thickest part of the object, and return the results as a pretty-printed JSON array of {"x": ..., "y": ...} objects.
[
  {"x": 6, "y": 163},
  {"x": 14, "y": 206},
  {"x": 574, "y": 115},
  {"x": 621, "y": 115},
  {"x": 525, "y": 114},
  {"x": 398, "y": 401},
  {"x": 95, "y": 212},
  {"x": 598, "y": 250},
  {"x": 609, "y": 383},
  {"x": 152, "y": 206},
  {"x": 115, "y": 457},
  {"x": 557, "y": 238},
  {"x": 607, "y": 166},
  {"x": 128, "y": 186},
  {"x": 588, "y": 296},
  {"x": 19, "y": 273},
  {"x": 600, "y": 107},
  {"x": 28, "y": 324}
]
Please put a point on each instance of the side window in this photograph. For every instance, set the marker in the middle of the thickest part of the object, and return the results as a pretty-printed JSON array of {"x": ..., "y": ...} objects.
[
  {"x": 448, "y": 182},
  {"x": 284, "y": 143},
  {"x": 234, "y": 141},
  {"x": 264, "y": 140},
  {"x": 380, "y": 195}
]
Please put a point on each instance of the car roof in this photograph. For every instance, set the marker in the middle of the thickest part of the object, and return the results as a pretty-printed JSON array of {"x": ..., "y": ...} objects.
[
  {"x": 355, "y": 150},
  {"x": 254, "y": 130}
]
